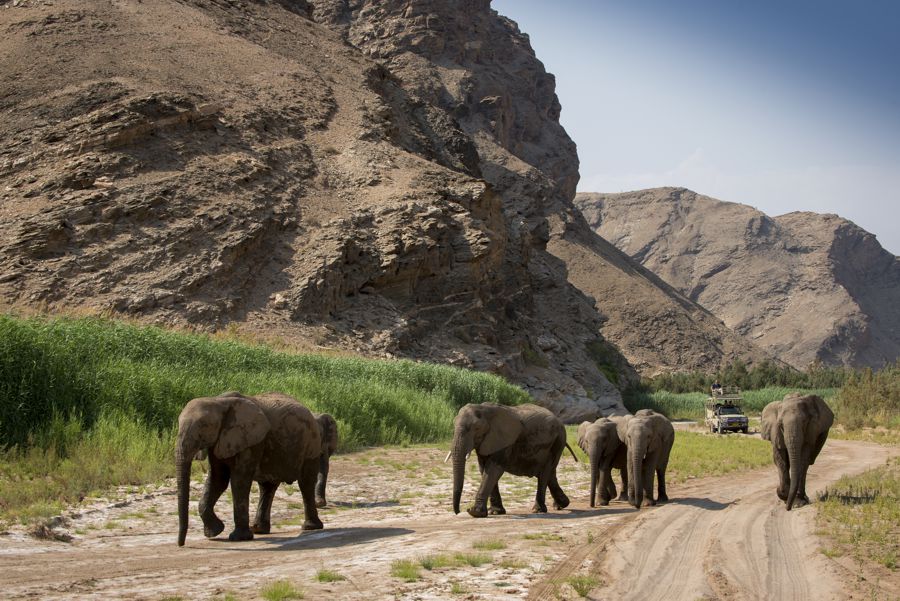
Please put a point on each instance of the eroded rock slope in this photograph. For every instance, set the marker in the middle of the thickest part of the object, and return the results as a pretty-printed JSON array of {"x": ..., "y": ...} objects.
[
  {"x": 388, "y": 178},
  {"x": 804, "y": 286}
]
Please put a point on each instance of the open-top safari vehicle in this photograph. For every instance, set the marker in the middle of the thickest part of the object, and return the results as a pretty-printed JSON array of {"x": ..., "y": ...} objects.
[{"x": 723, "y": 411}]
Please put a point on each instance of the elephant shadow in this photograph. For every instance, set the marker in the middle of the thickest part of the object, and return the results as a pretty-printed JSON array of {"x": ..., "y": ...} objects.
[
  {"x": 363, "y": 505},
  {"x": 572, "y": 514},
  {"x": 323, "y": 539},
  {"x": 702, "y": 503}
]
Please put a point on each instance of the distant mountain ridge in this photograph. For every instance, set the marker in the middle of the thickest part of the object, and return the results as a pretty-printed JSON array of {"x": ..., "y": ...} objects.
[{"x": 805, "y": 287}]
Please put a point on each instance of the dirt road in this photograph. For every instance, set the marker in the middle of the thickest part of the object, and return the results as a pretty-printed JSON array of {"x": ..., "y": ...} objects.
[{"x": 718, "y": 538}]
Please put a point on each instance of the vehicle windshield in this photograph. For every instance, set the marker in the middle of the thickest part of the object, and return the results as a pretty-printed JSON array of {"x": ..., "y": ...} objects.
[{"x": 729, "y": 410}]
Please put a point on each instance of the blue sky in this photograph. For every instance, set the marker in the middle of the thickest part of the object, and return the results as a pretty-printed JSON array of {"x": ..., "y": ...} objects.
[{"x": 785, "y": 106}]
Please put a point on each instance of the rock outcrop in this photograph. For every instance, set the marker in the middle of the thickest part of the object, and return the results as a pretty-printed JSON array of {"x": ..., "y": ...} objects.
[
  {"x": 388, "y": 178},
  {"x": 806, "y": 287}
]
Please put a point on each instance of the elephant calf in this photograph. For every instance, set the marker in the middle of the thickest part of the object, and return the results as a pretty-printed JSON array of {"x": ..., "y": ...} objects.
[
  {"x": 526, "y": 440},
  {"x": 270, "y": 438},
  {"x": 649, "y": 437},
  {"x": 797, "y": 426},
  {"x": 600, "y": 440}
]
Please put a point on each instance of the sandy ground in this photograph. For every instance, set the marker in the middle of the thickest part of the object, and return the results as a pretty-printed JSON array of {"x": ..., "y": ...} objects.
[{"x": 718, "y": 538}]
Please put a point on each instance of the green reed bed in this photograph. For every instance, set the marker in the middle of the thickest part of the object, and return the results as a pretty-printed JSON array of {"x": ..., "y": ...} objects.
[
  {"x": 75, "y": 392},
  {"x": 691, "y": 405}
]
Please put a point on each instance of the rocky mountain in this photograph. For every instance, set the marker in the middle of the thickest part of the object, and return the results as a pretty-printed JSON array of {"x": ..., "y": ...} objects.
[
  {"x": 806, "y": 287},
  {"x": 381, "y": 177}
]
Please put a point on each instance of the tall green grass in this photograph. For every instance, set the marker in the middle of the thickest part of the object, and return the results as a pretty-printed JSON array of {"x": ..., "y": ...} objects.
[
  {"x": 84, "y": 368},
  {"x": 72, "y": 389},
  {"x": 691, "y": 405}
]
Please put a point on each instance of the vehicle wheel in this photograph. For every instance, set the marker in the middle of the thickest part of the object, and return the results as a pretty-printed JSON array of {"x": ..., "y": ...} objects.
[{"x": 744, "y": 430}]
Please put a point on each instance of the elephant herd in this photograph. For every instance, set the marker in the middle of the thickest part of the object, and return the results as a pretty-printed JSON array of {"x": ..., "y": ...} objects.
[{"x": 273, "y": 439}]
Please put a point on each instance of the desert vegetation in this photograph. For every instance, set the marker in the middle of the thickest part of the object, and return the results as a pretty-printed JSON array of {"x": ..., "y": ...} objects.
[
  {"x": 861, "y": 516},
  {"x": 89, "y": 403},
  {"x": 859, "y": 398}
]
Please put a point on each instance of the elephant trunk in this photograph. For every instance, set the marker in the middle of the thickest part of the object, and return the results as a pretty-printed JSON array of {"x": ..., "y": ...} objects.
[
  {"x": 322, "y": 479},
  {"x": 459, "y": 450},
  {"x": 793, "y": 439},
  {"x": 635, "y": 476},
  {"x": 183, "y": 458},
  {"x": 595, "y": 466}
]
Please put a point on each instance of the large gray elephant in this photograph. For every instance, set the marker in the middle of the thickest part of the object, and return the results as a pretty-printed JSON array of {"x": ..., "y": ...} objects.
[
  {"x": 797, "y": 427},
  {"x": 271, "y": 438},
  {"x": 525, "y": 440},
  {"x": 649, "y": 437},
  {"x": 600, "y": 441}
]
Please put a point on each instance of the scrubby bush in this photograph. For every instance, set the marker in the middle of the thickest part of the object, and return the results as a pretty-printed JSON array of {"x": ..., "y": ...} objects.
[{"x": 870, "y": 398}]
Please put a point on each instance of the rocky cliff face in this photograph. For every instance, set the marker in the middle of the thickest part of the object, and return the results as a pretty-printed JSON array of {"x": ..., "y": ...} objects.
[
  {"x": 355, "y": 176},
  {"x": 388, "y": 178},
  {"x": 804, "y": 286}
]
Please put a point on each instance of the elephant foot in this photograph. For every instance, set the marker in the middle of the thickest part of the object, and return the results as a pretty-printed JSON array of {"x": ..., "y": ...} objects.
[
  {"x": 320, "y": 502},
  {"x": 561, "y": 503},
  {"x": 259, "y": 528},
  {"x": 782, "y": 494},
  {"x": 477, "y": 512},
  {"x": 648, "y": 502},
  {"x": 312, "y": 525},
  {"x": 801, "y": 501},
  {"x": 213, "y": 527},
  {"x": 538, "y": 508},
  {"x": 240, "y": 534},
  {"x": 497, "y": 511},
  {"x": 662, "y": 498},
  {"x": 603, "y": 502}
]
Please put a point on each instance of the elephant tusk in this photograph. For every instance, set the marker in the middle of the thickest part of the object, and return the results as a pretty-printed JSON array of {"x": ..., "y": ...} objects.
[{"x": 448, "y": 455}]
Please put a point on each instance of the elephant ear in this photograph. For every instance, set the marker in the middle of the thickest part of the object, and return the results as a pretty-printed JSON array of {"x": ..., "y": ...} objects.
[
  {"x": 243, "y": 426},
  {"x": 769, "y": 420},
  {"x": 582, "y": 433},
  {"x": 505, "y": 427}
]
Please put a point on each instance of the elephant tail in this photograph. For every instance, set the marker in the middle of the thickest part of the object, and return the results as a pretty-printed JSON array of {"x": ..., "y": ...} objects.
[
  {"x": 183, "y": 458},
  {"x": 575, "y": 457}
]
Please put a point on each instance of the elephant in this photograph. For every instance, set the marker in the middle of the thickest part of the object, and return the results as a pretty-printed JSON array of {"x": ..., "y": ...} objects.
[
  {"x": 270, "y": 438},
  {"x": 525, "y": 440},
  {"x": 797, "y": 426},
  {"x": 649, "y": 437},
  {"x": 600, "y": 440}
]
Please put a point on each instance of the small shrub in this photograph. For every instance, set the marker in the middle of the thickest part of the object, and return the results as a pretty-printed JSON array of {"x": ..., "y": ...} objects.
[
  {"x": 329, "y": 576},
  {"x": 474, "y": 560},
  {"x": 430, "y": 562},
  {"x": 281, "y": 590},
  {"x": 583, "y": 584},
  {"x": 489, "y": 544},
  {"x": 405, "y": 570}
]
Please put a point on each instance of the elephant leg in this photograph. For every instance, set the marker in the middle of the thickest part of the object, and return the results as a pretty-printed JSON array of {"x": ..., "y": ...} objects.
[
  {"x": 560, "y": 500},
  {"x": 241, "y": 481},
  {"x": 262, "y": 523},
  {"x": 309, "y": 472},
  {"x": 490, "y": 476},
  {"x": 784, "y": 479},
  {"x": 661, "y": 496},
  {"x": 496, "y": 502},
  {"x": 649, "y": 471},
  {"x": 623, "y": 495},
  {"x": 216, "y": 483},
  {"x": 540, "y": 496},
  {"x": 607, "y": 487}
]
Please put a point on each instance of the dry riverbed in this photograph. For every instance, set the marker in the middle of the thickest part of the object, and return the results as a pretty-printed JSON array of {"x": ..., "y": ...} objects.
[{"x": 723, "y": 537}]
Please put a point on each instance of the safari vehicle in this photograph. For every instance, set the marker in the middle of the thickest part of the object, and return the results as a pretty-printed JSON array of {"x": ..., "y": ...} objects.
[{"x": 723, "y": 411}]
